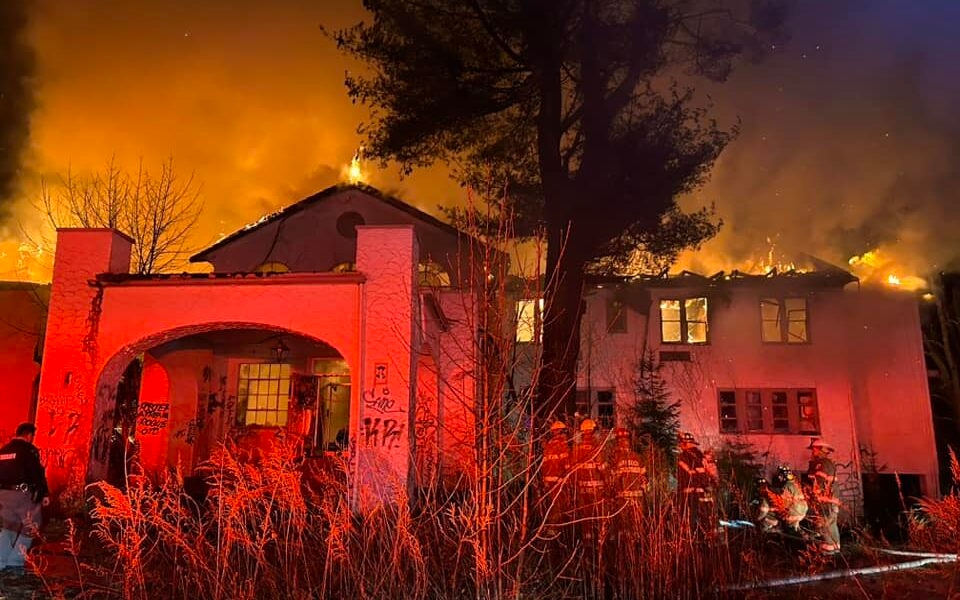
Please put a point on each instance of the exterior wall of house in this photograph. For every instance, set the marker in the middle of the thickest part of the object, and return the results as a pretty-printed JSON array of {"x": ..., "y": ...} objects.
[
  {"x": 890, "y": 384},
  {"x": 96, "y": 330},
  {"x": 864, "y": 359},
  {"x": 22, "y": 312}
]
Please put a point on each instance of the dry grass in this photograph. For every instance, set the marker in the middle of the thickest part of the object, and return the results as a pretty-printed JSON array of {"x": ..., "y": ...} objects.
[
  {"x": 936, "y": 526},
  {"x": 272, "y": 530}
]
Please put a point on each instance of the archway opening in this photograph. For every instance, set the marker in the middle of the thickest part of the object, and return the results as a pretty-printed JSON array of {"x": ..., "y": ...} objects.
[{"x": 242, "y": 384}]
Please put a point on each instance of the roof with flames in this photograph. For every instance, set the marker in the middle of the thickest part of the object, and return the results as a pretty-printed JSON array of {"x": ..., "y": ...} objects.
[{"x": 814, "y": 272}]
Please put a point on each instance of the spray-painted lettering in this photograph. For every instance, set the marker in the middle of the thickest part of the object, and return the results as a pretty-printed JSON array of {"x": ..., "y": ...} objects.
[
  {"x": 382, "y": 433},
  {"x": 152, "y": 417}
]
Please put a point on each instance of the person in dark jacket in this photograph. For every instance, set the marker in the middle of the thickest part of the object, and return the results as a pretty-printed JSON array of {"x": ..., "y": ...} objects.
[{"x": 23, "y": 491}]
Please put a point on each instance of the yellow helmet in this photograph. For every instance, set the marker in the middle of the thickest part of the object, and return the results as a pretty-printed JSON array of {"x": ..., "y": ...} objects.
[
  {"x": 588, "y": 425},
  {"x": 558, "y": 426}
]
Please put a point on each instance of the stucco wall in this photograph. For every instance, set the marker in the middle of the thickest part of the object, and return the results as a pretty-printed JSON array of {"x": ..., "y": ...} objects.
[{"x": 96, "y": 330}]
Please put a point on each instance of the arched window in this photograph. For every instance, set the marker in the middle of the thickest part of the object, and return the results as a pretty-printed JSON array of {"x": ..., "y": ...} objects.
[
  {"x": 345, "y": 267},
  {"x": 272, "y": 267}
]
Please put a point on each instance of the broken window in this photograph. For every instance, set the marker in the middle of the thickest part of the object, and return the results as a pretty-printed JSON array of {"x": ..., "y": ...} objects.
[
  {"x": 263, "y": 391},
  {"x": 783, "y": 320},
  {"x": 769, "y": 411},
  {"x": 529, "y": 320},
  {"x": 616, "y": 316},
  {"x": 684, "y": 321}
]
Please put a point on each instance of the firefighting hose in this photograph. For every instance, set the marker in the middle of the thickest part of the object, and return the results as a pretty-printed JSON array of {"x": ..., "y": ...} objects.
[{"x": 922, "y": 559}]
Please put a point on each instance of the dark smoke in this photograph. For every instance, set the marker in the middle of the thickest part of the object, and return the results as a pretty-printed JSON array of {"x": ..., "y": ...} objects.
[
  {"x": 851, "y": 138},
  {"x": 16, "y": 96}
]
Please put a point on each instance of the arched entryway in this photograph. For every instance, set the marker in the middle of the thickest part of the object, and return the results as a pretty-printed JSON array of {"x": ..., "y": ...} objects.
[{"x": 200, "y": 386}]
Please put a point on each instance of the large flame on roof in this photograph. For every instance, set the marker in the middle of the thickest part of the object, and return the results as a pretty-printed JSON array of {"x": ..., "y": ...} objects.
[
  {"x": 876, "y": 266},
  {"x": 353, "y": 172}
]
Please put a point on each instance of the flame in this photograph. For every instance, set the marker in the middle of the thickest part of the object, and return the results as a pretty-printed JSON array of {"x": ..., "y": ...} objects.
[
  {"x": 877, "y": 266},
  {"x": 354, "y": 171}
]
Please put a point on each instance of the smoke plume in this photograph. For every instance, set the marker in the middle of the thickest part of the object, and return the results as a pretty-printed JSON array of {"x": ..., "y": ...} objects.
[
  {"x": 16, "y": 96},
  {"x": 850, "y": 143}
]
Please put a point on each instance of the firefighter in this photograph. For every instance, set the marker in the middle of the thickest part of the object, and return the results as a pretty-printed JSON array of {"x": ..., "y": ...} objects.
[
  {"x": 554, "y": 472},
  {"x": 23, "y": 490},
  {"x": 764, "y": 504},
  {"x": 590, "y": 467},
  {"x": 628, "y": 484},
  {"x": 822, "y": 474},
  {"x": 696, "y": 485},
  {"x": 793, "y": 503}
]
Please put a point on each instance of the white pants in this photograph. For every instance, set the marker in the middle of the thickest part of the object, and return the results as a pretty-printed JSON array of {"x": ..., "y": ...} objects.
[{"x": 21, "y": 518}]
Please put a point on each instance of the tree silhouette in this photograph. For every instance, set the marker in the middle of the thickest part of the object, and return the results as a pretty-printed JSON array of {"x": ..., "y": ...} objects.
[{"x": 575, "y": 105}]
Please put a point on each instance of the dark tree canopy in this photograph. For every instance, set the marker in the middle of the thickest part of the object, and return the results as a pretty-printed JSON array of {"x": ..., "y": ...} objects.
[{"x": 574, "y": 104}]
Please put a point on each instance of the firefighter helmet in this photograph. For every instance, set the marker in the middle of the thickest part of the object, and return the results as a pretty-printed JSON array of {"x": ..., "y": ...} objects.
[
  {"x": 558, "y": 426},
  {"x": 621, "y": 433},
  {"x": 687, "y": 438},
  {"x": 588, "y": 425},
  {"x": 762, "y": 482},
  {"x": 785, "y": 472},
  {"x": 819, "y": 443}
]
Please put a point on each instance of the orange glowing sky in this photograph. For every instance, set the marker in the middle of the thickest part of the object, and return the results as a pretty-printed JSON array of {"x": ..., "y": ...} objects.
[{"x": 849, "y": 134}]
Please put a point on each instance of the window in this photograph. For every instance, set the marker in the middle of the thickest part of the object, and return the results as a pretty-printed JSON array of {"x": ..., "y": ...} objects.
[
  {"x": 272, "y": 267},
  {"x": 783, "y": 320},
  {"x": 683, "y": 321},
  {"x": 779, "y": 411},
  {"x": 262, "y": 394},
  {"x": 430, "y": 274},
  {"x": 605, "y": 409},
  {"x": 599, "y": 405},
  {"x": 616, "y": 316},
  {"x": 529, "y": 320}
]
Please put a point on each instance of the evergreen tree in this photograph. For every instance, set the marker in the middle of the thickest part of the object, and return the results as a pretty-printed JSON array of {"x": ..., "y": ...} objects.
[{"x": 654, "y": 416}]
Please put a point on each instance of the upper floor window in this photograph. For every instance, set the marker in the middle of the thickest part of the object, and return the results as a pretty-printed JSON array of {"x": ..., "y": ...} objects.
[
  {"x": 263, "y": 392},
  {"x": 784, "y": 411},
  {"x": 616, "y": 316},
  {"x": 530, "y": 320},
  {"x": 783, "y": 320},
  {"x": 684, "y": 321}
]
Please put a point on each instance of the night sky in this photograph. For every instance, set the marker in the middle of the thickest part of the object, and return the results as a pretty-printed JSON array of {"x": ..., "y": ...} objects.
[{"x": 850, "y": 135}]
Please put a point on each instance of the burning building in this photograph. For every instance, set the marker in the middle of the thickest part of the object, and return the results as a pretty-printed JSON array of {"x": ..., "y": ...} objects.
[
  {"x": 772, "y": 360},
  {"x": 347, "y": 321}
]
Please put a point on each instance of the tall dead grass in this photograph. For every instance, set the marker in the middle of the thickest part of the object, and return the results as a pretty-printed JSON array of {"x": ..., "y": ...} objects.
[
  {"x": 277, "y": 530},
  {"x": 936, "y": 524}
]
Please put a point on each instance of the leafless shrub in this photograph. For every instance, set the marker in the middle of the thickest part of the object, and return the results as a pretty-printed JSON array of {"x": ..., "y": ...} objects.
[{"x": 158, "y": 210}]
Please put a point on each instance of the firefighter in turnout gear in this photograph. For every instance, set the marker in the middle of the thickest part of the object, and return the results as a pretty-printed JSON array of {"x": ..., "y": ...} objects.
[
  {"x": 554, "y": 471},
  {"x": 822, "y": 474},
  {"x": 764, "y": 504},
  {"x": 696, "y": 485},
  {"x": 23, "y": 490},
  {"x": 793, "y": 503},
  {"x": 628, "y": 484},
  {"x": 589, "y": 466}
]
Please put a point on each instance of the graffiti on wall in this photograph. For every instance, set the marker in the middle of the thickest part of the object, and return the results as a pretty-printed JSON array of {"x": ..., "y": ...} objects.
[
  {"x": 152, "y": 417},
  {"x": 381, "y": 433},
  {"x": 425, "y": 438},
  {"x": 380, "y": 401}
]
